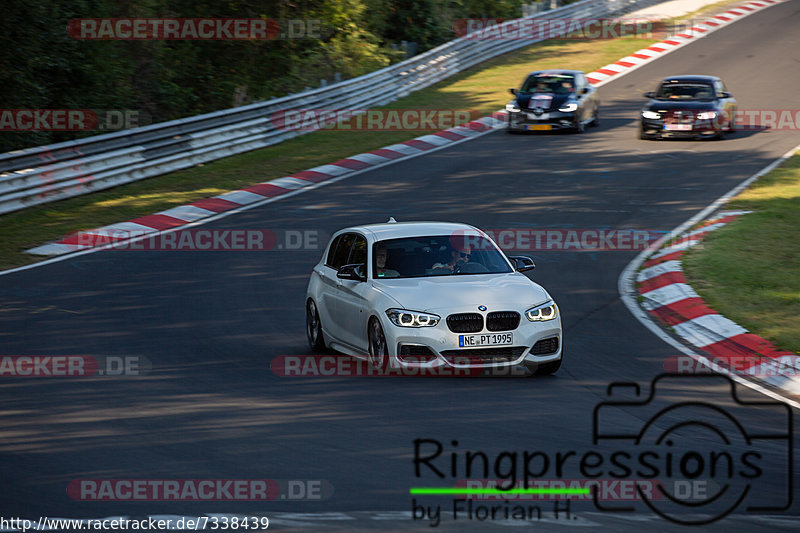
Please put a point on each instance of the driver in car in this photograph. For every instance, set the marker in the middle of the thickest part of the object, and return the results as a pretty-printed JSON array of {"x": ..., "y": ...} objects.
[{"x": 457, "y": 259}]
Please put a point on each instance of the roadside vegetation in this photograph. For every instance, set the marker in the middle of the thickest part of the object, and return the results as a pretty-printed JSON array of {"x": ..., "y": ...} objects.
[
  {"x": 749, "y": 270},
  {"x": 55, "y": 67}
]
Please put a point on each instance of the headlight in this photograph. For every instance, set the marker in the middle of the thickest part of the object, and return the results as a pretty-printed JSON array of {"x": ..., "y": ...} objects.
[
  {"x": 707, "y": 115},
  {"x": 512, "y": 108},
  {"x": 651, "y": 114},
  {"x": 542, "y": 313},
  {"x": 572, "y": 106},
  {"x": 411, "y": 319}
]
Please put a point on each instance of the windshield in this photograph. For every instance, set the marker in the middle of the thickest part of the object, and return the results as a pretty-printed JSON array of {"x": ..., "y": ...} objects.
[
  {"x": 440, "y": 255},
  {"x": 685, "y": 91},
  {"x": 549, "y": 83}
]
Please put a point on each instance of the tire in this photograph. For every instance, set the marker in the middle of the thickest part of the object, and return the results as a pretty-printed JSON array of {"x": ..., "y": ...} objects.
[
  {"x": 580, "y": 127},
  {"x": 545, "y": 369},
  {"x": 378, "y": 349},
  {"x": 316, "y": 341},
  {"x": 596, "y": 120},
  {"x": 642, "y": 136}
]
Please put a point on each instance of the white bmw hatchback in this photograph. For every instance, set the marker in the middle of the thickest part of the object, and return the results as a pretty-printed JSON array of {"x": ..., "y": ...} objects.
[{"x": 429, "y": 294}]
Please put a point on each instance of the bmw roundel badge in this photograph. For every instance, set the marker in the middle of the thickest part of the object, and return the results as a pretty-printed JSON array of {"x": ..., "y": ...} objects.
[{"x": 481, "y": 308}]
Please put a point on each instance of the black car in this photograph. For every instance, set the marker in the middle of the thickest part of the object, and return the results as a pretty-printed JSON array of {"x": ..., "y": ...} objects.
[
  {"x": 553, "y": 100},
  {"x": 689, "y": 107}
]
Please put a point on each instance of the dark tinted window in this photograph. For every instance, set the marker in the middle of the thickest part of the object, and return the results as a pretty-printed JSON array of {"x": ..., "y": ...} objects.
[
  {"x": 549, "y": 83},
  {"x": 358, "y": 254},
  {"x": 332, "y": 250},
  {"x": 685, "y": 91},
  {"x": 439, "y": 255},
  {"x": 338, "y": 256}
]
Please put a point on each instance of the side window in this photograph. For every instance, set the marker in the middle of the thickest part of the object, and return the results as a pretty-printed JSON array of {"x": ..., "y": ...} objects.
[
  {"x": 339, "y": 256},
  {"x": 358, "y": 254},
  {"x": 332, "y": 251},
  {"x": 719, "y": 87}
]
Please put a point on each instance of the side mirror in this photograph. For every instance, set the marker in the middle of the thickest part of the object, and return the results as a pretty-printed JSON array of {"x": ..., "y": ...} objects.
[
  {"x": 513, "y": 91},
  {"x": 353, "y": 272},
  {"x": 649, "y": 94},
  {"x": 585, "y": 90},
  {"x": 522, "y": 263},
  {"x": 725, "y": 95}
]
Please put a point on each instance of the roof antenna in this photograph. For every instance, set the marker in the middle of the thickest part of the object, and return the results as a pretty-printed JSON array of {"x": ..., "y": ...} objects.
[{"x": 391, "y": 221}]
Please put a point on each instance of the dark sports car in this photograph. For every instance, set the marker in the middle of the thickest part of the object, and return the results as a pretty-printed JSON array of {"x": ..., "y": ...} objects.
[
  {"x": 688, "y": 106},
  {"x": 553, "y": 100}
]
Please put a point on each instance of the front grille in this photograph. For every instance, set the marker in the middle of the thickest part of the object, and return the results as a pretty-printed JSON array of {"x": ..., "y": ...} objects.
[
  {"x": 679, "y": 117},
  {"x": 483, "y": 356},
  {"x": 545, "y": 347},
  {"x": 502, "y": 320},
  {"x": 465, "y": 322}
]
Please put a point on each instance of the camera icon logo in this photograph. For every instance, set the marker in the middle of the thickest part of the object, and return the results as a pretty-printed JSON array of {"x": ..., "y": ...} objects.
[{"x": 707, "y": 457}]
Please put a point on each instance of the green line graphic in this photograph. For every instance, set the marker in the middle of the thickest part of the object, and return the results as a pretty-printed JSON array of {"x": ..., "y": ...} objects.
[{"x": 455, "y": 490}]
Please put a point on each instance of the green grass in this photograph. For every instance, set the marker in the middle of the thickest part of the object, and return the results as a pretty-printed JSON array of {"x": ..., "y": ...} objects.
[
  {"x": 749, "y": 270},
  {"x": 483, "y": 88}
]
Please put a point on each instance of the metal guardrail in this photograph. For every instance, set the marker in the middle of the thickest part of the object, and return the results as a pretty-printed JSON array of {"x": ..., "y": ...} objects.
[{"x": 48, "y": 173}]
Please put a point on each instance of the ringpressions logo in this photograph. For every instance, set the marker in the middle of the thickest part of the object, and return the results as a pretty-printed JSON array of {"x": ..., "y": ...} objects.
[{"x": 689, "y": 462}]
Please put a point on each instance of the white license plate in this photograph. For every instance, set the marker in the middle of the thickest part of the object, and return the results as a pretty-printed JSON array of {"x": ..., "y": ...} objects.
[
  {"x": 485, "y": 339},
  {"x": 678, "y": 127}
]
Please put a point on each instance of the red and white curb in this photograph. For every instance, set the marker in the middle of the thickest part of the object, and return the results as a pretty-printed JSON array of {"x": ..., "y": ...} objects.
[
  {"x": 209, "y": 207},
  {"x": 666, "y": 295},
  {"x": 654, "y": 51}
]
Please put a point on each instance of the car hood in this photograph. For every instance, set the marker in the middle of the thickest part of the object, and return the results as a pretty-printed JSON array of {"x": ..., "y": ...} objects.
[
  {"x": 669, "y": 105},
  {"x": 498, "y": 292},
  {"x": 543, "y": 100}
]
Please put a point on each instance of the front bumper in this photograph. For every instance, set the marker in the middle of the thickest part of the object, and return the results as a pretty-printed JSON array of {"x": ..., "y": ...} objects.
[
  {"x": 438, "y": 348},
  {"x": 546, "y": 121},
  {"x": 657, "y": 128}
]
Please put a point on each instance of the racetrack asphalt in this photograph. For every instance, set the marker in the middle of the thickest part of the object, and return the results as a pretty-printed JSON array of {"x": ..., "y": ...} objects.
[{"x": 211, "y": 322}]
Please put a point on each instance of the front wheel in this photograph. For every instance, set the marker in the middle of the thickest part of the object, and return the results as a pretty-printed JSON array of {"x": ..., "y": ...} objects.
[
  {"x": 580, "y": 127},
  {"x": 378, "y": 349},
  {"x": 596, "y": 120},
  {"x": 314, "y": 328}
]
